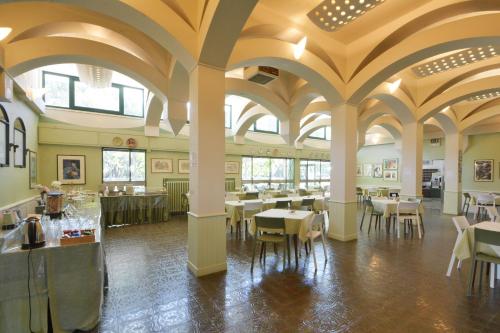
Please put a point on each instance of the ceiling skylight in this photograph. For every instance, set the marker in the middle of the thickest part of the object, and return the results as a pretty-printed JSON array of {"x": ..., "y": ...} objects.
[
  {"x": 487, "y": 95},
  {"x": 456, "y": 60},
  {"x": 331, "y": 15}
]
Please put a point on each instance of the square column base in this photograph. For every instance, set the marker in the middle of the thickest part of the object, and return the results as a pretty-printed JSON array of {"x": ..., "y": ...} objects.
[
  {"x": 206, "y": 244},
  {"x": 343, "y": 221},
  {"x": 452, "y": 202}
]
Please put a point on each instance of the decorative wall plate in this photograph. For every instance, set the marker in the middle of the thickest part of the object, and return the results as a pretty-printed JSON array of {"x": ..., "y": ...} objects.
[
  {"x": 131, "y": 143},
  {"x": 117, "y": 141}
]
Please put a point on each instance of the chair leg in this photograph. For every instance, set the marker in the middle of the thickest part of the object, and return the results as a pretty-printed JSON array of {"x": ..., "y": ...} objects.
[
  {"x": 253, "y": 254},
  {"x": 397, "y": 225},
  {"x": 492, "y": 275},
  {"x": 370, "y": 225},
  {"x": 450, "y": 266},
  {"x": 459, "y": 265},
  {"x": 264, "y": 244},
  {"x": 418, "y": 228},
  {"x": 324, "y": 246},
  {"x": 362, "y": 219},
  {"x": 472, "y": 274},
  {"x": 314, "y": 254},
  {"x": 422, "y": 223},
  {"x": 261, "y": 252},
  {"x": 481, "y": 275},
  {"x": 284, "y": 252}
]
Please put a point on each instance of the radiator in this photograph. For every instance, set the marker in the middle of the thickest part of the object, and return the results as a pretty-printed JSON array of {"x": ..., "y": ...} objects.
[{"x": 176, "y": 187}]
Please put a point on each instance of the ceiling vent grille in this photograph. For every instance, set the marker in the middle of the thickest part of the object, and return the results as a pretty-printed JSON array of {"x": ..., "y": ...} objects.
[{"x": 261, "y": 74}]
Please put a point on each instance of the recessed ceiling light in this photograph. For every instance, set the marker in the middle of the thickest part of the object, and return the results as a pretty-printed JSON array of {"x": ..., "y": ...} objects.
[
  {"x": 351, "y": 9},
  {"x": 4, "y": 32}
]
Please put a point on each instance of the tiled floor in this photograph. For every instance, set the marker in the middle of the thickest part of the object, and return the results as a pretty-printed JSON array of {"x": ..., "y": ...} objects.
[{"x": 375, "y": 284}]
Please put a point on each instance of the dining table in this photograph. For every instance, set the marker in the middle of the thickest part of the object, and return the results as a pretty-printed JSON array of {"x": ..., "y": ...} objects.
[
  {"x": 234, "y": 208},
  {"x": 65, "y": 282},
  {"x": 388, "y": 206},
  {"x": 465, "y": 245},
  {"x": 297, "y": 225}
]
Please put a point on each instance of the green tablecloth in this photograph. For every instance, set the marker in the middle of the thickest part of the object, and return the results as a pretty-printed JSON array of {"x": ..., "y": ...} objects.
[{"x": 134, "y": 209}]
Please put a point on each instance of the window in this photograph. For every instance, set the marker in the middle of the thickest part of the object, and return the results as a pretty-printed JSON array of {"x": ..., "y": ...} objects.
[
  {"x": 228, "y": 114},
  {"x": 266, "y": 124},
  {"x": 267, "y": 172},
  {"x": 123, "y": 165},
  {"x": 20, "y": 144},
  {"x": 314, "y": 173},
  {"x": 324, "y": 133},
  {"x": 4, "y": 137},
  {"x": 66, "y": 91}
]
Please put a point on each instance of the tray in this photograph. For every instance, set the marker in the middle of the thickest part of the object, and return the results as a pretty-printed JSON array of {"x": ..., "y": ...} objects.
[{"x": 78, "y": 240}]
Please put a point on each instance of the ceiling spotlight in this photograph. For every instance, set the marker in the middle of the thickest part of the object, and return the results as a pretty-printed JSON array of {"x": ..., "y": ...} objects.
[
  {"x": 299, "y": 48},
  {"x": 394, "y": 86},
  {"x": 4, "y": 32}
]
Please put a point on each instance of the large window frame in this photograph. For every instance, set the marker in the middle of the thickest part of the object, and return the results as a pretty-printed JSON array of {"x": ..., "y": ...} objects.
[
  {"x": 307, "y": 179},
  {"x": 73, "y": 106},
  {"x": 4, "y": 121},
  {"x": 269, "y": 181},
  {"x": 129, "y": 181},
  {"x": 254, "y": 127},
  {"x": 323, "y": 136},
  {"x": 20, "y": 147}
]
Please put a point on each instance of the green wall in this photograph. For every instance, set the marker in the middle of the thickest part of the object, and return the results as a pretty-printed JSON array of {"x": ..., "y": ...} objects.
[
  {"x": 376, "y": 154},
  {"x": 484, "y": 146},
  {"x": 14, "y": 182}
]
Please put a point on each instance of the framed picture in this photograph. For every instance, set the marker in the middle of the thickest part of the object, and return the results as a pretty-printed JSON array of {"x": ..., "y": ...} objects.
[
  {"x": 367, "y": 170},
  {"x": 483, "y": 170},
  {"x": 377, "y": 170},
  {"x": 391, "y": 164},
  {"x": 33, "y": 169},
  {"x": 391, "y": 175},
  {"x": 71, "y": 169},
  {"x": 161, "y": 165},
  {"x": 183, "y": 166},
  {"x": 232, "y": 167},
  {"x": 359, "y": 170}
]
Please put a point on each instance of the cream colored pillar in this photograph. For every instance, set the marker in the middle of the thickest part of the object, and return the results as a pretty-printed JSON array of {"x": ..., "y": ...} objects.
[
  {"x": 453, "y": 174},
  {"x": 207, "y": 219},
  {"x": 343, "y": 204},
  {"x": 411, "y": 163}
]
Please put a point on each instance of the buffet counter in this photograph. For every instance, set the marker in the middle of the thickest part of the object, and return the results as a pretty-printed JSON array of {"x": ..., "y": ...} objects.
[{"x": 134, "y": 209}]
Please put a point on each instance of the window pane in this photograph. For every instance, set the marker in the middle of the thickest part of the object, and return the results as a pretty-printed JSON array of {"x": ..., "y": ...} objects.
[
  {"x": 115, "y": 165},
  {"x": 94, "y": 98},
  {"x": 303, "y": 170},
  {"x": 267, "y": 123},
  {"x": 246, "y": 168},
  {"x": 325, "y": 170},
  {"x": 138, "y": 166},
  {"x": 133, "y": 102},
  {"x": 57, "y": 90},
  {"x": 328, "y": 132},
  {"x": 278, "y": 169},
  {"x": 319, "y": 133},
  {"x": 261, "y": 168},
  {"x": 227, "y": 115},
  {"x": 19, "y": 154},
  {"x": 3, "y": 143}
]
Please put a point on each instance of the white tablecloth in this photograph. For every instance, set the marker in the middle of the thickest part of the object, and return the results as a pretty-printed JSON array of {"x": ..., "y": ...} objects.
[
  {"x": 70, "y": 277},
  {"x": 234, "y": 208},
  {"x": 463, "y": 249},
  {"x": 296, "y": 222}
]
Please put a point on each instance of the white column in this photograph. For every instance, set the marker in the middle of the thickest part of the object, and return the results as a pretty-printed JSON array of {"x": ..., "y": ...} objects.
[
  {"x": 343, "y": 205},
  {"x": 453, "y": 174},
  {"x": 207, "y": 219},
  {"x": 411, "y": 155}
]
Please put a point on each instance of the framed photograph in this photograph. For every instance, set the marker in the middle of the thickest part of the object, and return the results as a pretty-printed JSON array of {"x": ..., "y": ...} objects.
[
  {"x": 232, "y": 167},
  {"x": 391, "y": 175},
  {"x": 33, "y": 169},
  {"x": 183, "y": 166},
  {"x": 359, "y": 170},
  {"x": 483, "y": 170},
  {"x": 377, "y": 170},
  {"x": 390, "y": 164},
  {"x": 367, "y": 170},
  {"x": 71, "y": 169},
  {"x": 161, "y": 165}
]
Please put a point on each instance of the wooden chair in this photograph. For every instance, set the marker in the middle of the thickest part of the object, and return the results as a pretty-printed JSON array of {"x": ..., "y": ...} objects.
[
  {"x": 316, "y": 230},
  {"x": 283, "y": 204},
  {"x": 368, "y": 207},
  {"x": 461, "y": 223},
  {"x": 269, "y": 230},
  {"x": 467, "y": 200},
  {"x": 252, "y": 195},
  {"x": 493, "y": 213},
  {"x": 486, "y": 237},
  {"x": 307, "y": 204}
]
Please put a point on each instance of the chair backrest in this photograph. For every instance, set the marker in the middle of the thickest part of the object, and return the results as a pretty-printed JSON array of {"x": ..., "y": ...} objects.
[
  {"x": 368, "y": 202},
  {"x": 493, "y": 213},
  {"x": 256, "y": 205},
  {"x": 280, "y": 195},
  {"x": 302, "y": 192},
  {"x": 461, "y": 223},
  {"x": 485, "y": 199},
  {"x": 283, "y": 203},
  {"x": 270, "y": 222},
  {"x": 408, "y": 207},
  {"x": 307, "y": 202},
  {"x": 252, "y": 195},
  {"x": 466, "y": 195},
  {"x": 486, "y": 236}
]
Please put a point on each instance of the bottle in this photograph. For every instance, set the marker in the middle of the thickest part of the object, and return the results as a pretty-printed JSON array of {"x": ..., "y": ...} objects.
[{"x": 106, "y": 191}]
